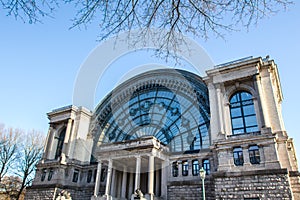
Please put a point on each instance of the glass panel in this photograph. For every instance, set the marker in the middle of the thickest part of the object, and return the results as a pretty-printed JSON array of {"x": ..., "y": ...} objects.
[
  {"x": 250, "y": 121},
  {"x": 206, "y": 166},
  {"x": 237, "y": 123},
  {"x": 234, "y": 98},
  {"x": 195, "y": 167},
  {"x": 246, "y": 96},
  {"x": 238, "y": 131},
  {"x": 185, "y": 168},
  {"x": 252, "y": 129},
  {"x": 254, "y": 154},
  {"x": 248, "y": 110},
  {"x": 153, "y": 108},
  {"x": 236, "y": 112},
  {"x": 238, "y": 156}
]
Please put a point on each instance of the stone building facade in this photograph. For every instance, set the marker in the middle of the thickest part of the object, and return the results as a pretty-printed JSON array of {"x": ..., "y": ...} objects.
[{"x": 156, "y": 130}]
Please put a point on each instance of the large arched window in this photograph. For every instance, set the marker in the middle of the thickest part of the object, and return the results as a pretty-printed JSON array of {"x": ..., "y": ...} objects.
[
  {"x": 170, "y": 105},
  {"x": 243, "y": 117},
  {"x": 60, "y": 143}
]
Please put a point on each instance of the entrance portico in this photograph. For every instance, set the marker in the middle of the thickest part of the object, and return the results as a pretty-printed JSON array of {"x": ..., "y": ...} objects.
[{"x": 131, "y": 165}]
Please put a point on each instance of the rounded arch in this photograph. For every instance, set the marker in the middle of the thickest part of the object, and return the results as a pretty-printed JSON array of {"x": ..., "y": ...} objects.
[
  {"x": 241, "y": 87},
  {"x": 171, "y": 105}
]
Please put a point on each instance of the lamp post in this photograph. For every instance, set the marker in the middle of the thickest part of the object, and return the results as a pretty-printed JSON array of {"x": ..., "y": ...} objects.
[{"x": 202, "y": 176}]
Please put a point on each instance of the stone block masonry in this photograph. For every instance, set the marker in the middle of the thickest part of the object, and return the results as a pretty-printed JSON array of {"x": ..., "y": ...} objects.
[
  {"x": 262, "y": 184},
  {"x": 50, "y": 193}
]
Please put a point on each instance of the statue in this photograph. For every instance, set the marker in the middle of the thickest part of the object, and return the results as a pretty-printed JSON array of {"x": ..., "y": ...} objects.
[
  {"x": 139, "y": 195},
  {"x": 64, "y": 195}
]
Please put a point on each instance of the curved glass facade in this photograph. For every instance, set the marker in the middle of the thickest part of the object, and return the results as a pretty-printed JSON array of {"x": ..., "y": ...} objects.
[{"x": 173, "y": 109}]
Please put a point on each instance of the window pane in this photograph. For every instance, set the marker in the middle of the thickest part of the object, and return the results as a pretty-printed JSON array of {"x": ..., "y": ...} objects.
[
  {"x": 237, "y": 123},
  {"x": 251, "y": 121},
  {"x": 236, "y": 112},
  {"x": 248, "y": 110},
  {"x": 185, "y": 168},
  {"x": 252, "y": 129},
  {"x": 234, "y": 98},
  {"x": 195, "y": 167},
  {"x": 238, "y": 156},
  {"x": 246, "y": 96},
  {"x": 254, "y": 154},
  {"x": 206, "y": 166},
  {"x": 238, "y": 131}
]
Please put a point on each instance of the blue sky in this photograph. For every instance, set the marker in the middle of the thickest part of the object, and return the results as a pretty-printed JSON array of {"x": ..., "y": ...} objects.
[{"x": 39, "y": 63}]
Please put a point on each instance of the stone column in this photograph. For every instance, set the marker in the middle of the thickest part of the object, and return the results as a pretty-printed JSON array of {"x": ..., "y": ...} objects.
[
  {"x": 124, "y": 183},
  {"x": 151, "y": 177},
  {"x": 246, "y": 155},
  {"x": 113, "y": 183},
  {"x": 68, "y": 131},
  {"x": 220, "y": 108},
  {"x": 179, "y": 168},
  {"x": 108, "y": 179},
  {"x": 214, "y": 116},
  {"x": 49, "y": 144},
  {"x": 164, "y": 178},
  {"x": 98, "y": 179},
  {"x": 272, "y": 99},
  {"x": 130, "y": 188},
  {"x": 137, "y": 173},
  {"x": 71, "y": 144}
]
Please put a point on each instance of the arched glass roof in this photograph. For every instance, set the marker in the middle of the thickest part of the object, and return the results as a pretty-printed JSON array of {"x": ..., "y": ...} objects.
[{"x": 171, "y": 105}]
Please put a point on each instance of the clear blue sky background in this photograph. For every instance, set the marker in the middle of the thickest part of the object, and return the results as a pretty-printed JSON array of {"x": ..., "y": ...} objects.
[{"x": 39, "y": 63}]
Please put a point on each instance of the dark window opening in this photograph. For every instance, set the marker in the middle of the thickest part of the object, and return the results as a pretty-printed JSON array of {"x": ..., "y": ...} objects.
[
  {"x": 89, "y": 176},
  {"x": 43, "y": 176},
  {"x": 60, "y": 143},
  {"x": 195, "y": 169},
  {"x": 206, "y": 166},
  {"x": 103, "y": 174},
  {"x": 175, "y": 169},
  {"x": 185, "y": 168},
  {"x": 242, "y": 111},
  {"x": 75, "y": 175},
  {"x": 238, "y": 156},
  {"x": 51, "y": 171},
  {"x": 254, "y": 154}
]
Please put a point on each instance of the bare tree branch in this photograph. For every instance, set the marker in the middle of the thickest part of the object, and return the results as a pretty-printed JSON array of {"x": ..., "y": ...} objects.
[
  {"x": 198, "y": 18},
  {"x": 31, "y": 150},
  {"x": 8, "y": 149}
]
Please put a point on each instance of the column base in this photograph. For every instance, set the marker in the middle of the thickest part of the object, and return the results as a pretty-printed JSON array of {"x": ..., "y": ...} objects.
[
  {"x": 134, "y": 197},
  {"x": 149, "y": 196}
]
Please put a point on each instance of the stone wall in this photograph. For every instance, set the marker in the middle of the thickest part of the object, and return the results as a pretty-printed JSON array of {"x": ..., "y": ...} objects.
[
  {"x": 263, "y": 184},
  {"x": 47, "y": 193},
  {"x": 33, "y": 193},
  {"x": 295, "y": 184},
  {"x": 190, "y": 190}
]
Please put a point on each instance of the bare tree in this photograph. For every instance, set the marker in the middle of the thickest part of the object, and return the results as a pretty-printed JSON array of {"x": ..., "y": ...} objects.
[
  {"x": 192, "y": 17},
  {"x": 31, "y": 152},
  {"x": 8, "y": 149}
]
